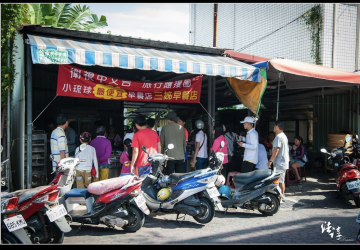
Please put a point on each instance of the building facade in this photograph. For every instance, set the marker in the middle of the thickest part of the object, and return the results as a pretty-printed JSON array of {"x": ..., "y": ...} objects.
[{"x": 275, "y": 30}]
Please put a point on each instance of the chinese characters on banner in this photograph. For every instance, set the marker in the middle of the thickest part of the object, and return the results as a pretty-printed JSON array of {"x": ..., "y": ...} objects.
[{"x": 76, "y": 82}]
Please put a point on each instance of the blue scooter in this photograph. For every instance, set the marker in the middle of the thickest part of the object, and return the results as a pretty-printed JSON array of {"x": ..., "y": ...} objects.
[{"x": 192, "y": 193}]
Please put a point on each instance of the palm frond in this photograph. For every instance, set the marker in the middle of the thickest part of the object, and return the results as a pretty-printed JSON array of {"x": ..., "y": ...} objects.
[
  {"x": 77, "y": 17},
  {"x": 95, "y": 23},
  {"x": 61, "y": 11}
]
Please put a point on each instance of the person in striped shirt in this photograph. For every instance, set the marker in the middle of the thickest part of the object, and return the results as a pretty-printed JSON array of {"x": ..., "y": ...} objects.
[{"x": 58, "y": 141}]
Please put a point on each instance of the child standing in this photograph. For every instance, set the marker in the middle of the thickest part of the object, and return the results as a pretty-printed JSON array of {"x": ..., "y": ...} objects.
[
  {"x": 83, "y": 170},
  {"x": 125, "y": 158}
]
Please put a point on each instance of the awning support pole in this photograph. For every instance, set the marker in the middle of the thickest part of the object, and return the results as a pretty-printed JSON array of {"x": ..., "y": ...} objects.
[
  {"x": 358, "y": 112},
  {"x": 277, "y": 108},
  {"x": 28, "y": 118},
  {"x": 209, "y": 107},
  {"x": 350, "y": 110},
  {"x": 8, "y": 137}
]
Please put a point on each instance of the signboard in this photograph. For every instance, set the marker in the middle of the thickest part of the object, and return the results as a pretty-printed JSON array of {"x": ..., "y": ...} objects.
[{"x": 76, "y": 82}]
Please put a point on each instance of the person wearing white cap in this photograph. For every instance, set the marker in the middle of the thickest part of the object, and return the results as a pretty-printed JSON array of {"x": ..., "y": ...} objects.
[{"x": 250, "y": 143}]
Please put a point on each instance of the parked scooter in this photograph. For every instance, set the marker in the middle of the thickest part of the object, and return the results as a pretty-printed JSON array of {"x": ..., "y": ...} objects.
[
  {"x": 192, "y": 193},
  {"x": 258, "y": 189},
  {"x": 114, "y": 202},
  {"x": 12, "y": 223},
  {"x": 347, "y": 175}
]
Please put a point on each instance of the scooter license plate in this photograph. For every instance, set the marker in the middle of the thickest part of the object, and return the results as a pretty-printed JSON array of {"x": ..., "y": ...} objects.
[
  {"x": 353, "y": 184},
  {"x": 56, "y": 212},
  {"x": 15, "y": 222},
  {"x": 213, "y": 192},
  {"x": 140, "y": 200}
]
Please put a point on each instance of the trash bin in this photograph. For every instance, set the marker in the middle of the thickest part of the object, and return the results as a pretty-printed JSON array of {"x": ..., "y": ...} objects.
[{"x": 115, "y": 167}]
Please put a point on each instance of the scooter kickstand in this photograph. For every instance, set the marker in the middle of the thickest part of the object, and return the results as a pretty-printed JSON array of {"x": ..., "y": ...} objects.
[
  {"x": 79, "y": 228},
  {"x": 177, "y": 218},
  {"x": 226, "y": 210}
]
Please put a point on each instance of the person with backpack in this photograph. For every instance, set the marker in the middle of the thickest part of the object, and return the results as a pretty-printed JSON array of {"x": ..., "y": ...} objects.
[
  {"x": 200, "y": 156},
  {"x": 298, "y": 157}
]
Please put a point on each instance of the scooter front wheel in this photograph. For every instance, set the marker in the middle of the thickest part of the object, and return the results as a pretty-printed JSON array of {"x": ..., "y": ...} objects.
[
  {"x": 270, "y": 208},
  {"x": 135, "y": 218},
  {"x": 8, "y": 238},
  {"x": 208, "y": 211}
]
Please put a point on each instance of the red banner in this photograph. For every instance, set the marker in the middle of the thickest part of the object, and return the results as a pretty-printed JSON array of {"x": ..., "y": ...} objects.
[{"x": 76, "y": 82}]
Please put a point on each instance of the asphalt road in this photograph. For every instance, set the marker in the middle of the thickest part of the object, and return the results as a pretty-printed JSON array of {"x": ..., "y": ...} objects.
[{"x": 303, "y": 219}]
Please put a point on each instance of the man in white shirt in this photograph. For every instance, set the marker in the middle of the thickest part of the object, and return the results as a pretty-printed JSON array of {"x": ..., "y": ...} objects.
[
  {"x": 280, "y": 154},
  {"x": 250, "y": 143},
  {"x": 83, "y": 170},
  {"x": 262, "y": 158}
]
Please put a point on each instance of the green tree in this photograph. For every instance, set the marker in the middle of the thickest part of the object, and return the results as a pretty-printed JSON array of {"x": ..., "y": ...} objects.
[{"x": 67, "y": 16}]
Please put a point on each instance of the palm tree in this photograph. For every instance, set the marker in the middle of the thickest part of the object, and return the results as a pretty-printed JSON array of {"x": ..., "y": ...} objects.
[{"x": 65, "y": 15}]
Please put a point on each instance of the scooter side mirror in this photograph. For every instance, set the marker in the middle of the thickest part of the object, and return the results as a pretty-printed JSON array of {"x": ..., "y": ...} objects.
[
  {"x": 143, "y": 149},
  {"x": 348, "y": 138},
  {"x": 222, "y": 144},
  {"x": 171, "y": 146},
  {"x": 51, "y": 157},
  {"x": 323, "y": 150}
]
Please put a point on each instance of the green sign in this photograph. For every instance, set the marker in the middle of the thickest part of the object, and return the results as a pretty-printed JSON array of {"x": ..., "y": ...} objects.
[{"x": 49, "y": 56}]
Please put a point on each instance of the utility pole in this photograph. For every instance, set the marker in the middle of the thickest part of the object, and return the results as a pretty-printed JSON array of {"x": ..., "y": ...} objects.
[{"x": 215, "y": 23}]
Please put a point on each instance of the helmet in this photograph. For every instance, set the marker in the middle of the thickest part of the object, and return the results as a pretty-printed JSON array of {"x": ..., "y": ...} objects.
[
  {"x": 199, "y": 124},
  {"x": 163, "y": 194},
  {"x": 163, "y": 181},
  {"x": 225, "y": 191},
  {"x": 220, "y": 180}
]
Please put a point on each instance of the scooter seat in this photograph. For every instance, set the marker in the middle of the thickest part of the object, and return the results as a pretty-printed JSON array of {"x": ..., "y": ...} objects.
[
  {"x": 256, "y": 175},
  {"x": 177, "y": 177},
  {"x": 78, "y": 192},
  {"x": 105, "y": 186},
  {"x": 26, "y": 194}
]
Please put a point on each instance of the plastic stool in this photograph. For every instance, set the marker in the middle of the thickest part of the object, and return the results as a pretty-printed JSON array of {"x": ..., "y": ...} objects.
[
  {"x": 229, "y": 180},
  {"x": 287, "y": 175}
]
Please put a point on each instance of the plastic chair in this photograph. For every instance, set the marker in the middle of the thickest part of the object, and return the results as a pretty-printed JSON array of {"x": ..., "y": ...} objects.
[{"x": 229, "y": 180}]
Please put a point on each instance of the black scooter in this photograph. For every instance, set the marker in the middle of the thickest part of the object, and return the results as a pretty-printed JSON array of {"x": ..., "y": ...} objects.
[{"x": 258, "y": 189}]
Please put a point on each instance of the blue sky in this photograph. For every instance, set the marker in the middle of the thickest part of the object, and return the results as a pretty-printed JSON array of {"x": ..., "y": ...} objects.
[{"x": 157, "y": 21}]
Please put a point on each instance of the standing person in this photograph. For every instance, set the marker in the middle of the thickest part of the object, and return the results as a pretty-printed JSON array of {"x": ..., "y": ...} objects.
[
  {"x": 250, "y": 143},
  {"x": 181, "y": 122},
  {"x": 58, "y": 141},
  {"x": 219, "y": 137},
  {"x": 262, "y": 158},
  {"x": 280, "y": 154},
  {"x": 150, "y": 123},
  {"x": 231, "y": 138},
  {"x": 143, "y": 137},
  {"x": 83, "y": 170},
  {"x": 200, "y": 158},
  {"x": 130, "y": 133},
  {"x": 297, "y": 156},
  {"x": 125, "y": 158},
  {"x": 173, "y": 133},
  {"x": 113, "y": 137},
  {"x": 71, "y": 136},
  {"x": 268, "y": 142},
  {"x": 103, "y": 152}
]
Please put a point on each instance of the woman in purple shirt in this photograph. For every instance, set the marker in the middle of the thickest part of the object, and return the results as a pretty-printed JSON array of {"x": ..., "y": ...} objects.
[{"x": 103, "y": 151}]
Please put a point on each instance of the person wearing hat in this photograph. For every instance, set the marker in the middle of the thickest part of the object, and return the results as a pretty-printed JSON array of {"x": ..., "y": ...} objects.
[
  {"x": 250, "y": 143},
  {"x": 173, "y": 133},
  {"x": 83, "y": 170}
]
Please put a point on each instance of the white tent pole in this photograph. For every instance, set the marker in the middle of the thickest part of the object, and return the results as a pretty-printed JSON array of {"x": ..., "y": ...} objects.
[{"x": 277, "y": 108}]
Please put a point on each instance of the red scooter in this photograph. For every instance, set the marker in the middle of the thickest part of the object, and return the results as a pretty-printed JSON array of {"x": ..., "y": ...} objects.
[
  {"x": 347, "y": 175},
  {"x": 114, "y": 202}
]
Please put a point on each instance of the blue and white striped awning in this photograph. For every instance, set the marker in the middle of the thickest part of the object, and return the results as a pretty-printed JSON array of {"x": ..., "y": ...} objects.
[{"x": 50, "y": 50}]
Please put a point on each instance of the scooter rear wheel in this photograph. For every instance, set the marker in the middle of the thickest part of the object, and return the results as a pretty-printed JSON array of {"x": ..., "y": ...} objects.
[
  {"x": 8, "y": 238},
  {"x": 135, "y": 218},
  {"x": 271, "y": 208},
  {"x": 209, "y": 211}
]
